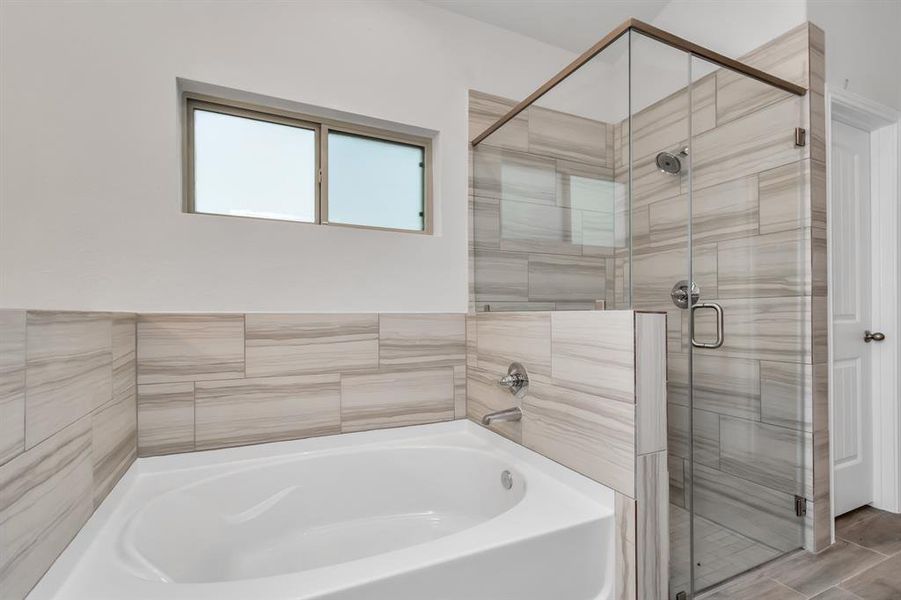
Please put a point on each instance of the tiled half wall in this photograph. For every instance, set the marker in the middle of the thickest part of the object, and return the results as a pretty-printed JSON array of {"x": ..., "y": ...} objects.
[
  {"x": 67, "y": 431},
  {"x": 216, "y": 380},
  {"x": 596, "y": 404}
]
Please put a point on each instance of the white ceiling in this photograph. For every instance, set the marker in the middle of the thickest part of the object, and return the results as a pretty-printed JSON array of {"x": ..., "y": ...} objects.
[{"x": 571, "y": 24}]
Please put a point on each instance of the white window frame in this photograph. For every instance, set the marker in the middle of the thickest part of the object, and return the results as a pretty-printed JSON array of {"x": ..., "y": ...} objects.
[{"x": 193, "y": 101}]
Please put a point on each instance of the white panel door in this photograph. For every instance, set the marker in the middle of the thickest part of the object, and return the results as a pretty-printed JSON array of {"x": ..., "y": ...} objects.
[{"x": 851, "y": 302}]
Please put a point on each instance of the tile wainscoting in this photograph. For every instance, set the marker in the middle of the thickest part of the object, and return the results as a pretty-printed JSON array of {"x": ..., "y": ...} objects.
[
  {"x": 83, "y": 394},
  {"x": 596, "y": 404},
  {"x": 67, "y": 431},
  {"x": 217, "y": 380}
]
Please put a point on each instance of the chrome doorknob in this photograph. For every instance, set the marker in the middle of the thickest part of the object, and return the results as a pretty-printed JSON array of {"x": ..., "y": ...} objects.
[{"x": 869, "y": 336}]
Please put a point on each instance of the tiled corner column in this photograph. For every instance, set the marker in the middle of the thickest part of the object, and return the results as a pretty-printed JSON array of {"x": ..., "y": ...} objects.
[
  {"x": 216, "y": 380},
  {"x": 67, "y": 431},
  {"x": 819, "y": 528},
  {"x": 596, "y": 404}
]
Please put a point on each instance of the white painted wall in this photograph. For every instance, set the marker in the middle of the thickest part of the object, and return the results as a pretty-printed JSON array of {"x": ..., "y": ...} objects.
[
  {"x": 863, "y": 46},
  {"x": 732, "y": 27},
  {"x": 90, "y": 200}
]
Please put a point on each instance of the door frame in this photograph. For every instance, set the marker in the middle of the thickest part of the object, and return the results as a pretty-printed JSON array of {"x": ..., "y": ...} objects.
[{"x": 884, "y": 124}]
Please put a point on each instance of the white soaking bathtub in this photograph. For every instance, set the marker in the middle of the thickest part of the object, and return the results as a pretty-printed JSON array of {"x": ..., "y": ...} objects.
[{"x": 415, "y": 513}]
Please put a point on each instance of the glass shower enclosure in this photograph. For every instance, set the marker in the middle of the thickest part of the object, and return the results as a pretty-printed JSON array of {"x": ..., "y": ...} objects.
[{"x": 648, "y": 177}]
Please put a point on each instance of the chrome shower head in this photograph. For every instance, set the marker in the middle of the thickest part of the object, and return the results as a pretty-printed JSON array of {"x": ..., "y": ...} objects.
[{"x": 669, "y": 163}]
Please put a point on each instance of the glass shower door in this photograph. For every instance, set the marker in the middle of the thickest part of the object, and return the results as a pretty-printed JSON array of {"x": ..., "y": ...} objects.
[
  {"x": 659, "y": 132},
  {"x": 748, "y": 355}
]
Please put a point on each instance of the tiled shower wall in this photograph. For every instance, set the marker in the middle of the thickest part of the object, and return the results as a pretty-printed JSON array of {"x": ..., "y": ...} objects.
[
  {"x": 542, "y": 203},
  {"x": 67, "y": 431},
  {"x": 595, "y": 403},
  {"x": 215, "y": 380},
  {"x": 758, "y": 226}
]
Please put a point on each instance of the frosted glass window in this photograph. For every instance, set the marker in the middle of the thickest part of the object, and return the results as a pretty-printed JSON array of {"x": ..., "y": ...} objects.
[
  {"x": 253, "y": 168},
  {"x": 376, "y": 183}
]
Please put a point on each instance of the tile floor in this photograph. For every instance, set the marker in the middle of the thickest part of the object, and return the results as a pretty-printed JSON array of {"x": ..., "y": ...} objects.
[
  {"x": 720, "y": 552},
  {"x": 863, "y": 564}
]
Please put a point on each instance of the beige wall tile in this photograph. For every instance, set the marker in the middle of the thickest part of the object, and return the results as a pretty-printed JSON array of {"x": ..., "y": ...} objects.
[
  {"x": 676, "y": 468},
  {"x": 265, "y": 409},
  {"x": 720, "y": 212},
  {"x": 501, "y": 276},
  {"x": 529, "y": 227},
  {"x": 652, "y": 525},
  {"x": 663, "y": 126},
  {"x": 190, "y": 347},
  {"x": 660, "y": 127},
  {"x": 817, "y": 329},
  {"x": 425, "y": 340},
  {"x": 706, "y": 428},
  {"x": 471, "y": 340},
  {"x": 460, "y": 392},
  {"x": 114, "y": 442},
  {"x": 589, "y": 434},
  {"x": 753, "y": 510},
  {"x": 785, "y": 197},
  {"x": 785, "y": 390},
  {"x": 818, "y": 526},
  {"x": 818, "y": 258},
  {"x": 485, "y": 110},
  {"x": 569, "y": 278},
  {"x": 566, "y": 136},
  {"x": 772, "y": 456},
  {"x": 596, "y": 232},
  {"x": 760, "y": 328},
  {"x": 486, "y": 223},
  {"x": 124, "y": 353},
  {"x": 759, "y": 141},
  {"x": 723, "y": 385},
  {"x": 594, "y": 352},
  {"x": 650, "y": 185},
  {"x": 299, "y": 344},
  {"x": 515, "y": 337},
  {"x": 624, "y": 511},
  {"x": 12, "y": 383},
  {"x": 584, "y": 186},
  {"x": 514, "y": 176},
  {"x": 650, "y": 382},
  {"x": 69, "y": 370},
  {"x": 785, "y": 57},
  {"x": 818, "y": 184},
  {"x": 765, "y": 265},
  {"x": 816, "y": 132},
  {"x": 653, "y": 275},
  {"x": 703, "y": 104},
  {"x": 165, "y": 418},
  {"x": 45, "y": 498},
  {"x": 395, "y": 398}
]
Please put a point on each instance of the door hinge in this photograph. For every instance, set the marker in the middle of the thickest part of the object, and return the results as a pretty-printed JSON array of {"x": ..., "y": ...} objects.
[
  {"x": 800, "y": 506},
  {"x": 800, "y": 136}
]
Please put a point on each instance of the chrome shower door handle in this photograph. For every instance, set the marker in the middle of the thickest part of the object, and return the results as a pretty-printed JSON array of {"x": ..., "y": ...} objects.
[{"x": 720, "y": 333}]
